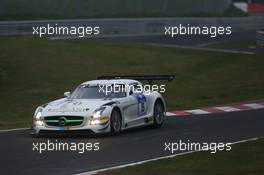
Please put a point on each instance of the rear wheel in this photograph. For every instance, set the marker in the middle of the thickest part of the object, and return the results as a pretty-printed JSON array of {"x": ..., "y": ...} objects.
[
  {"x": 116, "y": 122},
  {"x": 158, "y": 114}
]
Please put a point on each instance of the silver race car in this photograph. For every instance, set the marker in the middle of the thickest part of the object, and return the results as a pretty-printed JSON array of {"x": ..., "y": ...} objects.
[{"x": 108, "y": 104}]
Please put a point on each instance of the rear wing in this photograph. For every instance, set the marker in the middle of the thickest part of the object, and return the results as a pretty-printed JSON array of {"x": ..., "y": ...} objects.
[{"x": 149, "y": 78}]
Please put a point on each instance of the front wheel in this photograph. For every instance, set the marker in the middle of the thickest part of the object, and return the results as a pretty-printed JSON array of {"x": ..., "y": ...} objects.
[
  {"x": 116, "y": 122},
  {"x": 158, "y": 114}
]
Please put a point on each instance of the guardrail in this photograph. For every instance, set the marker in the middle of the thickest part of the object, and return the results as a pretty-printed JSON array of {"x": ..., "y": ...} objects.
[{"x": 260, "y": 37}]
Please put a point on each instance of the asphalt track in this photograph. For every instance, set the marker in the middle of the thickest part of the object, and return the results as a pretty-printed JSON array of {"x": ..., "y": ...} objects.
[
  {"x": 192, "y": 41},
  {"x": 188, "y": 40},
  {"x": 134, "y": 145}
]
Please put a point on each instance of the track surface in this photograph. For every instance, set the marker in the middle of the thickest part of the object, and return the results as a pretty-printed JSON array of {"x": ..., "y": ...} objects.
[
  {"x": 188, "y": 40},
  {"x": 196, "y": 41},
  {"x": 139, "y": 144}
]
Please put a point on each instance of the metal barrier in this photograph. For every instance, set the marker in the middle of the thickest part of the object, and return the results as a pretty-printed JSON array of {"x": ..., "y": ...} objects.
[{"x": 260, "y": 37}]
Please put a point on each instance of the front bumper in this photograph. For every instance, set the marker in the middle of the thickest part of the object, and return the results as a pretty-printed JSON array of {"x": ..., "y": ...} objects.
[{"x": 103, "y": 127}]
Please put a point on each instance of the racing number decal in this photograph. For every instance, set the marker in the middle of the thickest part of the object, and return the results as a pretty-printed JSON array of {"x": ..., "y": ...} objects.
[{"x": 142, "y": 104}]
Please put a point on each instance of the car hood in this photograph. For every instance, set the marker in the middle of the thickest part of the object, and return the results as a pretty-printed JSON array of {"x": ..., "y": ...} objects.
[{"x": 74, "y": 107}]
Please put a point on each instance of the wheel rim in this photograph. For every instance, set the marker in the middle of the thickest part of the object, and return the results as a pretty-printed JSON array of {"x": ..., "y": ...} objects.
[
  {"x": 159, "y": 114},
  {"x": 116, "y": 122}
]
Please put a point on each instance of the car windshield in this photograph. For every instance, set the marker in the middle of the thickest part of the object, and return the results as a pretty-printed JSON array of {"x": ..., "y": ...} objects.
[{"x": 98, "y": 92}]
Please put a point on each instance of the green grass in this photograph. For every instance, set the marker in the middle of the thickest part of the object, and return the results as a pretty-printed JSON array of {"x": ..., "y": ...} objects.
[
  {"x": 243, "y": 159},
  {"x": 40, "y": 70},
  {"x": 1, "y": 76}
]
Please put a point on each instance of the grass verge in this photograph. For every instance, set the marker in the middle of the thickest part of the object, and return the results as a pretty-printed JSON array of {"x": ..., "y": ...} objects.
[
  {"x": 40, "y": 70},
  {"x": 243, "y": 159}
]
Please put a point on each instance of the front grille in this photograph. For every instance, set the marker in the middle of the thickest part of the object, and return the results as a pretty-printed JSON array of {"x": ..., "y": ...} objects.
[{"x": 63, "y": 120}]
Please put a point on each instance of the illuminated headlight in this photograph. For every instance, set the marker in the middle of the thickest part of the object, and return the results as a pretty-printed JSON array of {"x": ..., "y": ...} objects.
[
  {"x": 37, "y": 117},
  {"x": 38, "y": 122},
  {"x": 95, "y": 122},
  {"x": 98, "y": 117}
]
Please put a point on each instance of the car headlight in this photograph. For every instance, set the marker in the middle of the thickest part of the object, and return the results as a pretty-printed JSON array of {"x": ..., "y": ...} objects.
[
  {"x": 38, "y": 113},
  {"x": 98, "y": 112},
  {"x": 98, "y": 117},
  {"x": 37, "y": 117}
]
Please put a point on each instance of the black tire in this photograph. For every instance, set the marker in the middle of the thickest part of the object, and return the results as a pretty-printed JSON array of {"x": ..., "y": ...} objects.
[
  {"x": 116, "y": 122},
  {"x": 158, "y": 116}
]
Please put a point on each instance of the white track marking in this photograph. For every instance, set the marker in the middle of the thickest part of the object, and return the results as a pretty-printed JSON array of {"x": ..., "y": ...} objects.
[
  {"x": 242, "y": 6},
  {"x": 154, "y": 159},
  {"x": 227, "y": 109},
  {"x": 16, "y": 129},
  {"x": 254, "y": 105},
  {"x": 170, "y": 114},
  {"x": 205, "y": 49},
  {"x": 209, "y": 43},
  {"x": 198, "y": 111}
]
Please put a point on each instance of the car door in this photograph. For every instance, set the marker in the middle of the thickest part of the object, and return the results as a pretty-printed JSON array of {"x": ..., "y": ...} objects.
[
  {"x": 130, "y": 106},
  {"x": 136, "y": 104}
]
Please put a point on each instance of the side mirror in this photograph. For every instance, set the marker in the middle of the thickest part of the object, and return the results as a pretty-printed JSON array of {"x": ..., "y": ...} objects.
[{"x": 67, "y": 94}]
